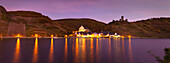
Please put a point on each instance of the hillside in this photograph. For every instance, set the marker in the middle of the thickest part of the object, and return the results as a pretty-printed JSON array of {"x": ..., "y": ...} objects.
[
  {"x": 40, "y": 24},
  {"x": 74, "y": 24},
  {"x": 151, "y": 28},
  {"x": 2, "y": 11},
  {"x": 35, "y": 23}
]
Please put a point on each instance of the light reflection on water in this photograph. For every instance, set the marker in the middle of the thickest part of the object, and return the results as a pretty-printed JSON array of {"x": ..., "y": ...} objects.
[
  {"x": 76, "y": 60},
  {"x": 51, "y": 54},
  {"x": 79, "y": 50},
  {"x": 17, "y": 51},
  {"x": 35, "y": 53},
  {"x": 65, "y": 50},
  {"x": 91, "y": 51},
  {"x": 97, "y": 50},
  {"x": 130, "y": 51},
  {"x": 83, "y": 50}
]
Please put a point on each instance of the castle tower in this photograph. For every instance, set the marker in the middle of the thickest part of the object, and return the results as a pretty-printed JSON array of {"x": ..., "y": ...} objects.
[{"x": 122, "y": 18}]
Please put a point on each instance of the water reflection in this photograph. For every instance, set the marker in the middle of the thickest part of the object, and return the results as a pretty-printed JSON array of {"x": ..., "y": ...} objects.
[
  {"x": 76, "y": 51},
  {"x": 130, "y": 51},
  {"x": 51, "y": 51},
  {"x": 17, "y": 51},
  {"x": 97, "y": 49},
  {"x": 91, "y": 50},
  {"x": 35, "y": 53},
  {"x": 83, "y": 54},
  {"x": 87, "y": 50},
  {"x": 65, "y": 50},
  {"x": 109, "y": 50},
  {"x": 117, "y": 50},
  {"x": 123, "y": 50},
  {"x": 79, "y": 50}
]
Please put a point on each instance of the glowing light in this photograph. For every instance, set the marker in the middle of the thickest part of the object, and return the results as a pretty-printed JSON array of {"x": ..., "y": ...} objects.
[
  {"x": 77, "y": 51},
  {"x": 18, "y": 35},
  {"x": 122, "y": 36},
  {"x": 83, "y": 50},
  {"x": 35, "y": 54},
  {"x": 52, "y": 35},
  {"x": 91, "y": 50},
  {"x": 17, "y": 51},
  {"x": 116, "y": 36},
  {"x": 130, "y": 51},
  {"x": 99, "y": 35},
  {"x": 1, "y": 37},
  {"x": 129, "y": 36},
  {"x": 36, "y": 35},
  {"x": 107, "y": 35},
  {"x": 82, "y": 29},
  {"x": 51, "y": 52},
  {"x": 71, "y": 35},
  {"x": 78, "y": 35},
  {"x": 65, "y": 51},
  {"x": 89, "y": 36},
  {"x": 65, "y": 36}
]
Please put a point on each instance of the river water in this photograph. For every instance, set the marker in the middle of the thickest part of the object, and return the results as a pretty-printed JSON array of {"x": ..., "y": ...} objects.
[{"x": 81, "y": 50}]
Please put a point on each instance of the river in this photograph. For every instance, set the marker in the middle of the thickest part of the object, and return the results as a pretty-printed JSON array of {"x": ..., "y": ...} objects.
[{"x": 81, "y": 50}]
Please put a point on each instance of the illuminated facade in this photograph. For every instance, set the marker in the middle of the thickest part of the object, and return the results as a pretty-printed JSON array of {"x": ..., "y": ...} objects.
[
  {"x": 82, "y": 32},
  {"x": 82, "y": 29}
]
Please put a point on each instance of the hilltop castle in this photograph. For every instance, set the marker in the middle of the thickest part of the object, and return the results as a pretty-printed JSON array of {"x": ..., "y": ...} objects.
[{"x": 122, "y": 19}]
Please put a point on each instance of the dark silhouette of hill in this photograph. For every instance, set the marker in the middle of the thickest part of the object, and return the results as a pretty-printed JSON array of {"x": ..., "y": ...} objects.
[
  {"x": 74, "y": 24},
  {"x": 38, "y": 23},
  {"x": 154, "y": 27},
  {"x": 35, "y": 23}
]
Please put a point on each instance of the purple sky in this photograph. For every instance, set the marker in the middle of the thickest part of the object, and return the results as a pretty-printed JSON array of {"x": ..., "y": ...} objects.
[{"x": 102, "y": 10}]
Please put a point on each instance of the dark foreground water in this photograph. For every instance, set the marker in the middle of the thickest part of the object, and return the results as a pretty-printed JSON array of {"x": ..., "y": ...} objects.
[{"x": 81, "y": 50}]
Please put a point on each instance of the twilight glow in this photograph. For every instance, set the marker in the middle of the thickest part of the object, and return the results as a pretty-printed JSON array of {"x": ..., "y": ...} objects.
[{"x": 102, "y": 10}]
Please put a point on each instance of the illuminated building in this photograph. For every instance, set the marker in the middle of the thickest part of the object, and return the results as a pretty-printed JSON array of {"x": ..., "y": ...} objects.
[
  {"x": 115, "y": 35},
  {"x": 82, "y": 32},
  {"x": 82, "y": 29}
]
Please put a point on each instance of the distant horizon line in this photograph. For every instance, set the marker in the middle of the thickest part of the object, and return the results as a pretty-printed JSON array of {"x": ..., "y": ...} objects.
[{"x": 134, "y": 20}]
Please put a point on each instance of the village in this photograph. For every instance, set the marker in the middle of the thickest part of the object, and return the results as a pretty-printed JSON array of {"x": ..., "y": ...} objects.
[
  {"x": 81, "y": 33},
  {"x": 86, "y": 33}
]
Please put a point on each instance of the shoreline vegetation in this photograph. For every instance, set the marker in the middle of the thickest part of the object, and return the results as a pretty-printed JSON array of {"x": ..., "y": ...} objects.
[
  {"x": 29, "y": 23},
  {"x": 166, "y": 58}
]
